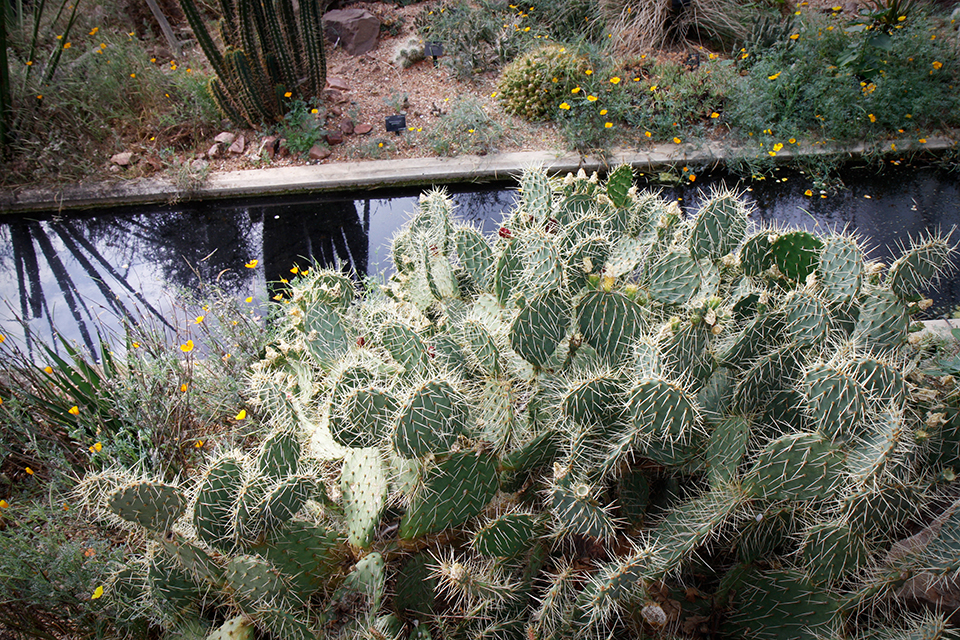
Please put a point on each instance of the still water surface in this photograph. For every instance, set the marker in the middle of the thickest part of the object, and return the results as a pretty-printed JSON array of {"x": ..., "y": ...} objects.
[{"x": 82, "y": 273}]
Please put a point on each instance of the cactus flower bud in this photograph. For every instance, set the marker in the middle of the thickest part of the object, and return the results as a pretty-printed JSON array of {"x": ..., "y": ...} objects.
[{"x": 505, "y": 233}]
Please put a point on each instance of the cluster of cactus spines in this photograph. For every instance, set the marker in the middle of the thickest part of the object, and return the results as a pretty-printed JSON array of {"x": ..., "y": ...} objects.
[{"x": 553, "y": 432}]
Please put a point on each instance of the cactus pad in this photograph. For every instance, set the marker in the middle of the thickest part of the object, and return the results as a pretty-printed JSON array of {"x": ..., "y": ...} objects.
[
  {"x": 674, "y": 279},
  {"x": 796, "y": 254},
  {"x": 799, "y": 466},
  {"x": 364, "y": 485},
  {"x": 508, "y": 536},
  {"x": 539, "y": 327},
  {"x": 841, "y": 270},
  {"x": 216, "y": 501},
  {"x": 719, "y": 227},
  {"x": 153, "y": 505},
  {"x": 430, "y": 421},
  {"x": 610, "y": 323}
]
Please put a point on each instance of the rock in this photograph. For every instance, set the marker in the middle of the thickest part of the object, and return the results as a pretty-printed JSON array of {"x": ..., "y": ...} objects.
[
  {"x": 331, "y": 95},
  {"x": 199, "y": 164},
  {"x": 283, "y": 149},
  {"x": 346, "y": 125},
  {"x": 335, "y": 111},
  {"x": 337, "y": 83},
  {"x": 215, "y": 150},
  {"x": 269, "y": 146},
  {"x": 363, "y": 129},
  {"x": 124, "y": 159},
  {"x": 356, "y": 30},
  {"x": 225, "y": 138},
  {"x": 318, "y": 152},
  {"x": 334, "y": 137},
  {"x": 238, "y": 146},
  {"x": 114, "y": 169}
]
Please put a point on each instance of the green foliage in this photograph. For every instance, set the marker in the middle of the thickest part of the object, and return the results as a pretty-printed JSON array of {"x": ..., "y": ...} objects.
[
  {"x": 466, "y": 129},
  {"x": 534, "y": 85},
  {"x": 302, "y": 127},
  {"x": 505, "y": 436}
]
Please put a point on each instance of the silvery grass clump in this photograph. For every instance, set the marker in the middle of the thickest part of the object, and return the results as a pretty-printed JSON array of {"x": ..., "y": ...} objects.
[{"x": 610, "y": 419}]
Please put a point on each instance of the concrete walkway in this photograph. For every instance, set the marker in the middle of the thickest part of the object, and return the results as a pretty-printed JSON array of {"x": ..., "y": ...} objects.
[{"x": 374, "y": 174}]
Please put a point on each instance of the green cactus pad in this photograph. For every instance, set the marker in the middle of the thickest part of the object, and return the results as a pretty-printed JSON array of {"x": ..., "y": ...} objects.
[
  {"x": 536, "y": 196},
  {"x": 539, "y": 327},
  {"x": 286, "y": 625},
  {"x": 674, "y": 279},
  {"x": 917, "y": 270},
  {"x": 805, "y": 319},
  {"x": 405, "y": 346},
  {"x": 364, "y": 485},
  {"x": 152, "y": 505},
  {"x": 496, "y": 418},
  {"x": 286, "y": 498},
  {"x": 877, "y": 508},
  {"x": 481, "y": 346},
  {"x": 307, "y": 555},
  {"x": 364, "y": 417},
  {"x": 841, "y": 270},
  {"x": 663, "y": 412},
  {"x": 253, "y": 579},
  {"x": 617, "y": 187},
  {"x": 769, "y": 532},
  {"x": 326, "y": 335},
  {"x": 797, "y": 466},
  {"x": 882, "y": 381},
  {"x": 575, "y": 206},
  {"x": 755, "y": 256},
  {"x": 877, "y": 447},
  {"x": 582, "y": 228},
  {"x": 508, "y": 536},
  {"x": 279, "y": 455},
  {"x": 719, "y": 227},
  {"x": 726, "y": 448},
  {"x": 610, "y": 322},
  {"x": 595, "y": 403},
  {"x": 542, "y": 268},
  {"x": 837, "y": 403},
  {"x": 238, "y": 628},
  {"x": 634, "y": 496},
  {"x": 334, "y": 288},
  {"x": 883, "y": 321},
  {"x": 831, "y": 550},
  {"x": 455, "y": 490},
  {"x": 539, "y": 452},
  {"x": 686, "y": 353},
  {"x": 475, "y": 256},
  {"x": 430, "y": 421},
  {"x": 172, "y": 586},
  {"x": 771, "y": 372},
  {"x": 715, "y": 395},
  {"x": 796, "y": 254},
  {"x": 368, "y": 578},
  {"x": 585, "y": 259},
  {"x": 216, "y": 501},
  {"x": 508, "y": 272},
  {"x": 447, "y": 353},
  {"x": 780, "y": 605},
  {"x": 576, "y": 509},
  {"x": 416, "y": 586},
  {"x": 760, "y": 333},
  {"x": 198, "y": 563}
]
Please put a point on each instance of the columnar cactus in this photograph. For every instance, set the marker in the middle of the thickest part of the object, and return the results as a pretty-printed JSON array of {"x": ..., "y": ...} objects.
[{"x": 546, "y": 433}]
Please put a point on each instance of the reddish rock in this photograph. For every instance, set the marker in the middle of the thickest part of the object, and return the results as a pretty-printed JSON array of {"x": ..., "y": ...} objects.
[
  {"x": 334, "y": 137},
  {"x": 363, "y": 129},
  {"x": 282, "y": 148},
  {"x": 225, "y": 138},
  {"x": 356, "y": 30},
  {"x": 331, "y": 95},
  {"x": 215, "y": 150},
  {"x": 318, "y": 152},
  {"x": 346, "y": 125},
  {"x": 337, "y": 83},
  {"x": 124, "y": 159},
  {"x": 269, "y": 146},
  {"x": 238, "y": 146}
]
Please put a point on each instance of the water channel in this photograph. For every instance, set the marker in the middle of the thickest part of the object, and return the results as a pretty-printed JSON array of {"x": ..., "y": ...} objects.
[{"x": 80, "y": 274}]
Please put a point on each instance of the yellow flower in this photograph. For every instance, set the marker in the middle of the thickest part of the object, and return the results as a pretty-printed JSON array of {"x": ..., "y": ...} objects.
[
  {"x": 48, "y": 370},
  {"x": 525, "y": 29},
  {"x": 693, "y": 177},
  {"x": 198, "y": 444},
  {"x": 74, "y": 410},
  {"x": 808, "y": 193},
  {"x": 28, "y": 470},
  {"x": 714, "y": 115},
  {"x": 314, "y": 111},
  {"x": 93, "y": 31},
  {"x": 615, "y": 80},
  {"x": 249, "y": 299},
  {"x": 778, "y": 146},
  {"x": 252, "y": 264},
  {"x": 774, "y": 76},
  {"x": 714, "y": 56},
  {"x": 648, "y": 134},
  {"x": 470, "y": 130},
  {"x": 133, "y": 75},
  {"x": 279, "y": 296},
  {"x": 676, "y": 141},
  {"x": 4, "y": 504},
  {"x": 795, "y": 36},
  {"x": 893, "y": 146},
  {"x": 97, "y": 593},
  {"x": 872, "y": 117},
  {"x": 199, "y": 319},
  {"x": 653, "y": 87},
  {"x": 564, "y": 105},
  {"x": 184, "y": 387},
  {"x": 901, "y": 18},
  {"x": 575, "y": 90},
  {"x": 188, "y": 347},
  {"x": 288, "y": 94},
  {"x": 792, "y": 141},
  {"x": 242, "y": 415},
  {"x": 3, "y": 338},
  {"x": 603, "y": 112},
  {"x": 29, "y": 63},
  {"x": 922, "y": 141},
  {"x": 295, "y": 270},
  {"x": 589, "y": 72},
  {"x": 592, "y": 98},
  {"x": 772, "y": 153},
  {"x": 937, "y": 64},
  {"x": 607, "y": 125},
  {"x": 96, "y": 447},
  {"x": 67, "y": 45}
]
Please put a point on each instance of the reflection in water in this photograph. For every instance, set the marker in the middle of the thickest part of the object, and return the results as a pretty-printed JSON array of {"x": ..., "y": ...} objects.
[{"x": 84, "y": 272}]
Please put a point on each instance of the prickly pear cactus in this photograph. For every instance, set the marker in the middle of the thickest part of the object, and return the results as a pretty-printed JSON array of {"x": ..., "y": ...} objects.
[{"x": 607, "y": 420}]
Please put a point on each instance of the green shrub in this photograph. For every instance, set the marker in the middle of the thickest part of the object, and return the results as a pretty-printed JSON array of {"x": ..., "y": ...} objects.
[
  {"x": 302, "y": 126},
  {"x": 465, "y": 129},
  {"x": 534, "y": 85}
]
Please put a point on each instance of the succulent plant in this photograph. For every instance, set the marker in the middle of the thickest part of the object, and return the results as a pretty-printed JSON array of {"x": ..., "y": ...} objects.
[
  {"x": 607, "y": 420},
  {"x": 533, "y": 85}
]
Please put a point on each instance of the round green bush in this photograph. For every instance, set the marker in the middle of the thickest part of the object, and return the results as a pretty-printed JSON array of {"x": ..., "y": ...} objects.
[{"x": 534, "y": 85}]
